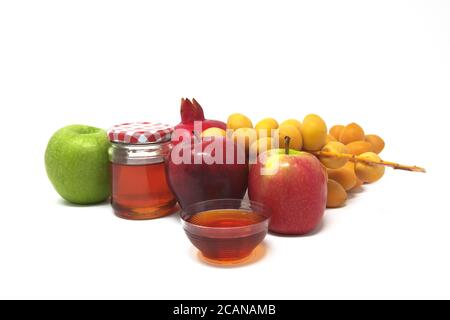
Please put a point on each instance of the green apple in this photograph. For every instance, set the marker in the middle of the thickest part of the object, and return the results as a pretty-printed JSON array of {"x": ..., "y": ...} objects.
[{"x": 77, "y": 164}]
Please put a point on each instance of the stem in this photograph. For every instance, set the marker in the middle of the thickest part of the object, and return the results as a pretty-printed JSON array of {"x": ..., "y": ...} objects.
[
  {"x": 287, "y": 142},
  {"x": 197, "y": 137},
  {"x": 355, "y": 158}
]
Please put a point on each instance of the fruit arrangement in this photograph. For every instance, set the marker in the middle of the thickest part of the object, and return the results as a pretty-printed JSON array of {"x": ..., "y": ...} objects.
[
  {"x": 295, "y": 168},
  {"x": 349, "y": 155}
]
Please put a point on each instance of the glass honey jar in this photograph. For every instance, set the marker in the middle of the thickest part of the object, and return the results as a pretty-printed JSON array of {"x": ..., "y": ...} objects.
[{"x": 137, "y": 158}]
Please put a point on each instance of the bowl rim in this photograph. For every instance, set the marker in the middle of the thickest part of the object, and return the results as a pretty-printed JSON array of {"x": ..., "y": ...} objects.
[{"x": 266, "y": 213}]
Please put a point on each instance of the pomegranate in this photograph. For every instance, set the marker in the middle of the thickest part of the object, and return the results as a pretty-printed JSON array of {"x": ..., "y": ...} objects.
[{"x": 191, "y": 111}]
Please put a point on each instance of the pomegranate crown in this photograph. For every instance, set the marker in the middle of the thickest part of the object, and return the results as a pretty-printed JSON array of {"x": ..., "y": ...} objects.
[{"x": 191, "y": 111}]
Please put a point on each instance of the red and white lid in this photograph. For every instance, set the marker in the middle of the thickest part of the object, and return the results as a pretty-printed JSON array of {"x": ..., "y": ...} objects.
[{"x": 140, "y": 133}]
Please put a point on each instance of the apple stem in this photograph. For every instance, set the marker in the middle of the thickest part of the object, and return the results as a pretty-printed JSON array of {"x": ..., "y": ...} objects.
[
  {"x": 196, "y": 136},
  {"x": 287, "y": 142}
]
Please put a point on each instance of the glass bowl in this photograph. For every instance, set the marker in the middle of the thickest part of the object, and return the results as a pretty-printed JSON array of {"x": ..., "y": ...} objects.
[{"x": 226, "y": 230}]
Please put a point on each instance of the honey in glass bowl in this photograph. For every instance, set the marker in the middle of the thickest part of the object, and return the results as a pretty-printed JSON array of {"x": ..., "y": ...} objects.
[{"x": 226, "y": 230}]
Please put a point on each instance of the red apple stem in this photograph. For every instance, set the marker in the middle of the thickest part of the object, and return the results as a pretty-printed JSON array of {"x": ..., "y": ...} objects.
[
  {"x": 196, "y": 135},
  {"x": 287, "y": 142}
]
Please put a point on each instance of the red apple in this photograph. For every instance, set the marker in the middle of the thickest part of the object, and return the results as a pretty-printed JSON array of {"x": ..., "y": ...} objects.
[
  {"x": 294, "y": 187},
  {"x": 206, "y": 169}
]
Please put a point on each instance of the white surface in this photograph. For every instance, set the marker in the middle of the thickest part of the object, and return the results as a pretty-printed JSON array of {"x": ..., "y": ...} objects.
[{"x": 383, "y": 64}]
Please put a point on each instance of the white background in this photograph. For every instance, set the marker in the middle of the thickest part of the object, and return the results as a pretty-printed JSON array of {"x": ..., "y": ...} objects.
[{"x": 383, "y": 64}]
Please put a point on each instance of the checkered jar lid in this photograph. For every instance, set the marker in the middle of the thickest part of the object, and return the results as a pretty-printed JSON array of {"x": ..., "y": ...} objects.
[{"x": 140, "y": 133}]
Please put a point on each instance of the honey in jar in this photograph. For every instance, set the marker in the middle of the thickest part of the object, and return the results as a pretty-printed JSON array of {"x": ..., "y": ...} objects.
[{"x": 139, "y": 184}]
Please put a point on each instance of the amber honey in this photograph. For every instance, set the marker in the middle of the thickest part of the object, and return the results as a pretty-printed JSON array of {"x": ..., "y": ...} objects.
[
  {"x": 141, "y": 191},
  {"x": 228, "y": 234}
]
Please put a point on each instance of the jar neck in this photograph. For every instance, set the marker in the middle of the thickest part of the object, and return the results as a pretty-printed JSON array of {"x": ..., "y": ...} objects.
[{"x": 139, "y": 154}]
